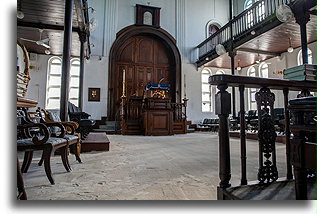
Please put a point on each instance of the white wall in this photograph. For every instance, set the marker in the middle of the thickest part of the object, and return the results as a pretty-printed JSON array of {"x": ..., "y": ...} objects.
[{"x": 186, "y": 20}]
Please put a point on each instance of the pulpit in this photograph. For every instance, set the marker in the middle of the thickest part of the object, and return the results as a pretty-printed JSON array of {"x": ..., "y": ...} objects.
[{"x": 157, "y": 117}]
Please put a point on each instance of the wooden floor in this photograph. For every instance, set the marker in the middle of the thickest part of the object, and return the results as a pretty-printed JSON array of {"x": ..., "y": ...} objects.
[{"x": 280, "y": 190}]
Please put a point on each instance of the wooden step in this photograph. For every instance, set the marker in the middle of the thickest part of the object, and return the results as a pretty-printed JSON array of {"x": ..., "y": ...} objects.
[{"x": 96, "y": 141}]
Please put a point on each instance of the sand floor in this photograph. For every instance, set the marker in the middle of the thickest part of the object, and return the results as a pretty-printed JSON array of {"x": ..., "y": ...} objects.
[{"x": 180, "y": 167}]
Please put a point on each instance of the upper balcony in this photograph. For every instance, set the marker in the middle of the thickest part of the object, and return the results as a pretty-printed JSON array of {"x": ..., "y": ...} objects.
[{"x": 255, "y": 34}]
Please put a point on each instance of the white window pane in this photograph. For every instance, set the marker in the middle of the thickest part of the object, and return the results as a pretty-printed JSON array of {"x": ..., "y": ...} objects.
[
  {"x": 76, "y": 62},
  {"x": 253, "y": 97},
  {"x": 55, "y": 69},
  {"x": 74, "y": 82},
  {"x": 206, "y": 107},
  {"x": 53, "y": 104},
  {"x": 205, "y": 87},
  {"x": 205, "y": 97},
  {"x": 253, "y": 106},
  {"x": 73, "y": 93},
  {"x": 74, "y": 71},
  {"x": 54, "y": 80},
  {"x": 204, "y": 78},
  {"x": 54, "y": 92}
]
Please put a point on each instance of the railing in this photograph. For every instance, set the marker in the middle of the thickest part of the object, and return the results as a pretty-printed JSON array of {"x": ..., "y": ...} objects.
[
  {"x": 267, "y": 171},
  {"x": 133, "y": 109},
  {"x": 179, "y": 112},
  {"x": 245, "y": 22}
]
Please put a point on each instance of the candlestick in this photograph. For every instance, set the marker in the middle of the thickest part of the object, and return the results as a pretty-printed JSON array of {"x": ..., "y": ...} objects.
[
  {"x": 185, "y": 86},
  {"x": 123, "y": 84}
]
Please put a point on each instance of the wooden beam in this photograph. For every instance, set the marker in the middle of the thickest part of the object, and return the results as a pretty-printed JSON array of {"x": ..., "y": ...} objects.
[
  {"x": 66, "y": 59},
  {"x": 258, "y": 51},
  {"x": 43, "y": 26}
]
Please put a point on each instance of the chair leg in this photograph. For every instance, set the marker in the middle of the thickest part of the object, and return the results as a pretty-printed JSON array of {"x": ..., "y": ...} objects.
[
  {"x": 64, "y": 156},
  {"x": 47, "y": 163},
  {"x": 20, "y": 184},
  {"x": 40, "y": 163},
  {"x": 28, "y": 155},
  {"x": 75, "y": 148}
]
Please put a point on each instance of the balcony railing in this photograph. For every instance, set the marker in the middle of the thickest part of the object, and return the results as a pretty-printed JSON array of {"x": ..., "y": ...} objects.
[
  {"x": 267, "y": 171},
  {"x": 245, "y": 22}
]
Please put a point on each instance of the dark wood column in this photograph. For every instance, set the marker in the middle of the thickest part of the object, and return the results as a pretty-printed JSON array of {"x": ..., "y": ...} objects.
[
  {"x": 82, "y": 37},
  {"x": 302, "y": 17},
  {"x": 66, "y": 58}
]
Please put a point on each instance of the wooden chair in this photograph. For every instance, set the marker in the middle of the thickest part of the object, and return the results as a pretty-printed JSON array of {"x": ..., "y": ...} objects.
[
  {"x": 82, "y": 118},
  {"x": 74, "y": 142},
  {"x": 37, "y": 137}
]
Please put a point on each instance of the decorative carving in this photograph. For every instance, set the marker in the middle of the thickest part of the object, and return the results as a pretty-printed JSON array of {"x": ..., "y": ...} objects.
[
  {"x": 266, "y": 135},
  {"x": 304, "y": 93}
]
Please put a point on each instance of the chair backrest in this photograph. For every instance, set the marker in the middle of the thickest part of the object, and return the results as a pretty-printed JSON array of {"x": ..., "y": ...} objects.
[{"x": 73, "y": 108}]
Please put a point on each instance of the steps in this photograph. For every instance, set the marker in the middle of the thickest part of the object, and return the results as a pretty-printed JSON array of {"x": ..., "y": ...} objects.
[{"x": 110, "y": 127}]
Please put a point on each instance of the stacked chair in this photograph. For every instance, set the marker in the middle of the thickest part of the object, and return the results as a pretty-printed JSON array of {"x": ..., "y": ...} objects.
[{"x": 37, "y": 135}]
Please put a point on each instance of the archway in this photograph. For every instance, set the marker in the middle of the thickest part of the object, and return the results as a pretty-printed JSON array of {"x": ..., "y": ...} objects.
[{"x": 145, "y": 54}]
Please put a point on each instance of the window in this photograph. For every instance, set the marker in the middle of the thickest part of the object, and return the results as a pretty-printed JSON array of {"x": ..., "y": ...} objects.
[
  {"x": 220, "y": 72},
  {"x": 264, "y": 70},
  {"x": 252, "y": 91},
  {"x": 54, "y": 78},
  {"x": 206, "y": 91},
  {"x": 300, "y": 57}
]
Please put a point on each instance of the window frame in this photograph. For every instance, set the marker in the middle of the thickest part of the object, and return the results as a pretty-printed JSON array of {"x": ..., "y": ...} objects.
[
  {"x": 73, "y": 99},
  {"x": 206, "y": 71}
]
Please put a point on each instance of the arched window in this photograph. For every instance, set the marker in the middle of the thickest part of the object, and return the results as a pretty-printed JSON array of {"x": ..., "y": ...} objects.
[
  {"x": 74, "y": 82},
  {"x": 53, "y": 87},
  {"x": 300, "y": 57},
  {"x": 206, "y": 99},
  {"x": 252, "y": 91},
  {"x": 264, "y": 70},
  {"x": 54, "y": 77},
  {"x": 220, "y": 72}
]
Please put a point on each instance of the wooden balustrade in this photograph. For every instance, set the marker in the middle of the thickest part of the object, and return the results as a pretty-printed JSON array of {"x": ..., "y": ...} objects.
[
  {"x": 266, "y": 134},
  {"x": 260, "y": 12}
]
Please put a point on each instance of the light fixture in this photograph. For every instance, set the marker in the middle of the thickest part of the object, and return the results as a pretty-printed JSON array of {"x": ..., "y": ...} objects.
[
  {"x": 47, "y": 52},
  {"x": 290, "y": 49},
  {"x": 20, "y": 14},
  {"x": 239, "y": 68},
  {"x": 258, "y": 61},
  {"x": 253, "y": 33}
]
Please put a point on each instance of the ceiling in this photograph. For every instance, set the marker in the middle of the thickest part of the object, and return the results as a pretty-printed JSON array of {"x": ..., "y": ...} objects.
[
  {"x": 267, "y": 45},
  {"x": 47, "y": 15}
]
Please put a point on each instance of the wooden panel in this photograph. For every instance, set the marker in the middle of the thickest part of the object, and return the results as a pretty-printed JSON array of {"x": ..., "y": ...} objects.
[
  {"x": 160, "y": 121},
  {"x": 145, "y": 50}
]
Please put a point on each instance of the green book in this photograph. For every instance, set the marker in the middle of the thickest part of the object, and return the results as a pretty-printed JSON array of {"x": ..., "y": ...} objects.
[
  {"x": 309, "y": 69},
  {"x": 302, "y": 78},
  {"x": 302, "y": 73}
]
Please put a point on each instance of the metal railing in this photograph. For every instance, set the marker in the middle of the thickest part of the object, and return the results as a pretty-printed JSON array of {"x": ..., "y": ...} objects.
[{"x": 245, "y": 22}]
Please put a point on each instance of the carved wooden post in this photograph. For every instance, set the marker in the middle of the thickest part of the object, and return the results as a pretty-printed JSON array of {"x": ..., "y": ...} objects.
[
  {"x": 266, "y": 135},
  {"x": 289, "y": 174},
  {"x": 243, "y": 138},
  {"x": 223, "y": 109}
]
